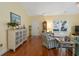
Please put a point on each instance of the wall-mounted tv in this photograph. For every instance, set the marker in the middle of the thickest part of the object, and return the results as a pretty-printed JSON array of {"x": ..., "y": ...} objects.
[{"x": 77, "y": 29}]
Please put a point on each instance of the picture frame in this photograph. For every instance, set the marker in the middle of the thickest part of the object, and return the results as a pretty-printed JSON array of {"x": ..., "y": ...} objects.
[
  {"x": 56, "y": 25},
  {"x": 60, "y": 25},
  {"x": 64, "y": 26},
  {"x": 14, "y": 18}
]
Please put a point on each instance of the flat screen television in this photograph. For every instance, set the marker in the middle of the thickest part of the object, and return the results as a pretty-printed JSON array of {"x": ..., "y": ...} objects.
[{"x": 77, "y": 29}]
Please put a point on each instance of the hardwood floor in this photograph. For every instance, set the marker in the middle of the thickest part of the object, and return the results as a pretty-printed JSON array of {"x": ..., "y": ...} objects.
[{"x": 33, "y": 47}]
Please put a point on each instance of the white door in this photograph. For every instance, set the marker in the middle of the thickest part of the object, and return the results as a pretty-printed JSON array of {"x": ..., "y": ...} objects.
[{"x": 35, "y": 28}]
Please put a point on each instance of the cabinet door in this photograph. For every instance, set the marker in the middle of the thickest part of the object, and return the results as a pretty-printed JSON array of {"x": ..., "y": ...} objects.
[
  {"x": 77, "y": 38},
  {"x": 77, "y": 50},
  {"x": 24, "y": 34},
  {"x": 17, "y": 38},
  {"x": 21, "y": 35}
]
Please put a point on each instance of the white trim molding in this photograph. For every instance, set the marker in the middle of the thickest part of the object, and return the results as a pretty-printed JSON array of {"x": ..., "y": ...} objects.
[{"x": 2, "y": 52}]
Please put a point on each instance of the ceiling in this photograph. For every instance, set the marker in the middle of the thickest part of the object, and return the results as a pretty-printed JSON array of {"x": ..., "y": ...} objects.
[{"x": 50, "y": 8}]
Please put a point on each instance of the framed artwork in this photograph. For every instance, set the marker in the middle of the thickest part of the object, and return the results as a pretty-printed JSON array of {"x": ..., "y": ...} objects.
[
  {"x": 60, "y": 25},
  {"x": 56, "y": 25},
  {"x": 14, "y": 18},
  {"x": 64, "y": 26}
]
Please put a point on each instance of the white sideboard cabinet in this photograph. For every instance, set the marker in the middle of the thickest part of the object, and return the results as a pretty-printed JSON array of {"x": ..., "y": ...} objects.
[{"x": 16, "y": 38}]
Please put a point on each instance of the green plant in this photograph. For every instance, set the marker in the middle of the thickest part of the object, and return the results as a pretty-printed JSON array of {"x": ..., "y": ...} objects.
[{"x": 12, "y": 24}]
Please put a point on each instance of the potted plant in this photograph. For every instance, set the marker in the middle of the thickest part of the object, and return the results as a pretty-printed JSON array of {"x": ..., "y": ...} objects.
[{"x": 11, "y": 24}]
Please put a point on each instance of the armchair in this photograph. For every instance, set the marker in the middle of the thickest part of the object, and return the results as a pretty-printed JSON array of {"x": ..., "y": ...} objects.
[{"x": 49, "y": 41}]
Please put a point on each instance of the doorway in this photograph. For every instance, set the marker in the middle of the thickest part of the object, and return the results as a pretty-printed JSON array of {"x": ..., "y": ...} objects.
[{"x": 36, "y": 27}]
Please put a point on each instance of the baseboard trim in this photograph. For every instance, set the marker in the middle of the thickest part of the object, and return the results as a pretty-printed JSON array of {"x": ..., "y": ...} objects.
[{"x": 3, "y": 52}]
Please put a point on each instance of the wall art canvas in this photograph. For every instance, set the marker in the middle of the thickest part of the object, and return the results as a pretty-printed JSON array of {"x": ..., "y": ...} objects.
[
  {"x": 64, "y": 26},
  {"x": 60, "y": 25},
  {"x": 56, "y": 26},
  {"x": 14, "y": 18}
]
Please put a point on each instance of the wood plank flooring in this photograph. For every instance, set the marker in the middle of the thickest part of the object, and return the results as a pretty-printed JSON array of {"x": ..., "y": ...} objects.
[{"x": 33, "y": 47}]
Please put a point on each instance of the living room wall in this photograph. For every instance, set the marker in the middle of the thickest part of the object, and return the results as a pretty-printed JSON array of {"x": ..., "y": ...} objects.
[
  {"x": 5, "y": 9},
  {"x": 72, "y": 19}
]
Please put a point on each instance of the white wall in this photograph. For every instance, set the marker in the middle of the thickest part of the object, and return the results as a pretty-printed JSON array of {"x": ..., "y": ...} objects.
[
  {"x": 5, "y": 9},
  {"x": 72, "y": 19}
]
